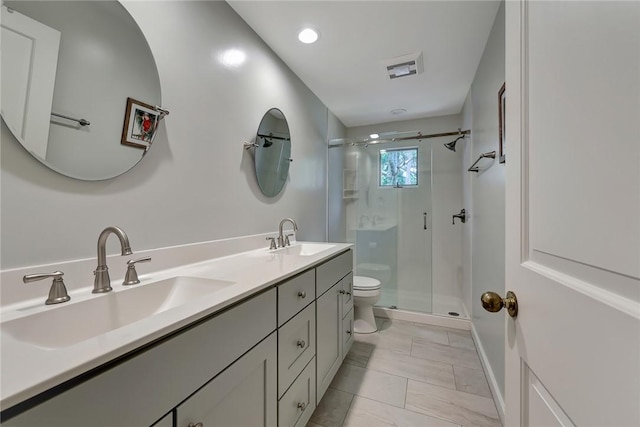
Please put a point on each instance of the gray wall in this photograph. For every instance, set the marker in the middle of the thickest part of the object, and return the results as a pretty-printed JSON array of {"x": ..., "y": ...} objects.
[
  {"x": 487, "y": 198},
  {"x": 197, "y": 183},
  {"x": 336, "y": 214}
]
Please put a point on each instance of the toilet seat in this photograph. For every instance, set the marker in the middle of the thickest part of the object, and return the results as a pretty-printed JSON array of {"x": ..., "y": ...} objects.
[{"x": 361, "y": 283}]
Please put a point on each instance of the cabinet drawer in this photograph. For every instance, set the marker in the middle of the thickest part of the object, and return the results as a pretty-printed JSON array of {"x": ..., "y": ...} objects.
[
  {"x": 297, "y": 405},
  {"x": 347, "y": 296},
  {"x": 295, "y": 294},
  {"x": 296, "y": 346},
  {"x": 329, "y": 273},
  {"x": 347, "y": 333}
]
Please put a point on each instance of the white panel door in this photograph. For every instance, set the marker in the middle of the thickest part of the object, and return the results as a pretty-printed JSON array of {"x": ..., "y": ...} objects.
[
  {"x": 573, "y": 213},
  {"x": 29, "y": 61}
]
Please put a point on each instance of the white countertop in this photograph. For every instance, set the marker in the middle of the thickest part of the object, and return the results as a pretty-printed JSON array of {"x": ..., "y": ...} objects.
[{"x": 28, "y": 369}]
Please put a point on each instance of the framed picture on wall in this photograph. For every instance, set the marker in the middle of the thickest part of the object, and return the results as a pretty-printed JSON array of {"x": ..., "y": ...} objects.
[
  {"x": 502, "y": 134},
  {"x": 140, "y": 124}
]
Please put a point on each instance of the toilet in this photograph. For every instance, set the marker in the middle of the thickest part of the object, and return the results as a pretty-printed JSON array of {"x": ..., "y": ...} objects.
[{"x": 366, "y": 292}]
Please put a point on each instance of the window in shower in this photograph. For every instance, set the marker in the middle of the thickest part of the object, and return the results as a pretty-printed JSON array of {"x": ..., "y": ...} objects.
[{"x": 399, "y": 167}]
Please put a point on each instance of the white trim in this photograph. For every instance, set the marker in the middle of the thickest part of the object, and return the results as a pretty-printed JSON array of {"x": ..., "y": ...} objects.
[
  {"x": 617, "y": 302},
  {"x": 424, "y": 318},
  {"x": 498, "y": 399}
]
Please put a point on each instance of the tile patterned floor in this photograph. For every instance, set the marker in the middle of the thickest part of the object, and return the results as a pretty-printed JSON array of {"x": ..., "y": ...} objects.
[{"x": 409, "y": 375}]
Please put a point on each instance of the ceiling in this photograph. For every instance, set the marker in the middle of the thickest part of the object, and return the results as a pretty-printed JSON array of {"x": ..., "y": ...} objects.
[{"x": 346, "y": 67}]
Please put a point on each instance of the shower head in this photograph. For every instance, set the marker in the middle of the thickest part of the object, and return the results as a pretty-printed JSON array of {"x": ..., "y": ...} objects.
[{"x": 452, "y": 145}]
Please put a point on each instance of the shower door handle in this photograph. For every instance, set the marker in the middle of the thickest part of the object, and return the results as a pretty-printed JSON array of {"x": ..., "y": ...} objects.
[{"x": 425, "y": 220}]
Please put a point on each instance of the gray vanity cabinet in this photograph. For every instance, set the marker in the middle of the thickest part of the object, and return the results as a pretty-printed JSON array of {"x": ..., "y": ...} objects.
[
  {"x": 151, "y": 383},
  {"x": 243, "y": 395},
  {"x": 329, "y": 333},
  {"x": 334, "y": 287},
  {"x": 266, "y": 361}
]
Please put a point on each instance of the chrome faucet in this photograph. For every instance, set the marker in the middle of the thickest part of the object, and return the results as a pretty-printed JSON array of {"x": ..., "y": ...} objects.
[
  {"x": 282, "y": 241},
  {"x": 102, "y": 282}
]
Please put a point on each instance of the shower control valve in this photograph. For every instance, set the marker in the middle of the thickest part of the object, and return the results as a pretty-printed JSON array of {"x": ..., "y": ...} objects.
[{"x": 462, "y": 216}]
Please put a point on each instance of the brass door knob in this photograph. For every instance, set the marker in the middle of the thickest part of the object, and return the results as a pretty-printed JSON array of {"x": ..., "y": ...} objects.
[{"x": 493, "y": 302}]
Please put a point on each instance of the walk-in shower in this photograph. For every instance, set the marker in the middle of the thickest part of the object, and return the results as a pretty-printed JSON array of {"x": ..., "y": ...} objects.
[{"x": 383, "y": 198}]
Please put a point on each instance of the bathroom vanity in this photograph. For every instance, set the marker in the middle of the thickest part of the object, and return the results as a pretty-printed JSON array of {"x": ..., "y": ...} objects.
[{"x": 259, "y": 350}]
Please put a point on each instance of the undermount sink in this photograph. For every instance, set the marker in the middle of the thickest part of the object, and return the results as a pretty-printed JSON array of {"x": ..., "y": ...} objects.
[
  {"x": 306, "y": 249},
  {"x": 76, "y": 322}
]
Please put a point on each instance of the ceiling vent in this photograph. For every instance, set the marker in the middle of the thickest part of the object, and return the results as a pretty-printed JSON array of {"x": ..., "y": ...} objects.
[{"x": 404, "y": 66}]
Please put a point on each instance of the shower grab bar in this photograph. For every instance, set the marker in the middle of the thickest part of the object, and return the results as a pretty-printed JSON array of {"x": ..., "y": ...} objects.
[
  {"x": 82, "y": 122},
  {"x": 489, "y": 155}
]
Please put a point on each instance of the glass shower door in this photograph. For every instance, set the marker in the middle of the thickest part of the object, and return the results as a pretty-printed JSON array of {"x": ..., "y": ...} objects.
[{"x": 392, "y": 217}]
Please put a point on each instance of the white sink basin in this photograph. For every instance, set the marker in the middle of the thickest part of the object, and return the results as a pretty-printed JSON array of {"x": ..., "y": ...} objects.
[
  {"x": 70, "y": 324},
  {"x": 306, "y": 249}
]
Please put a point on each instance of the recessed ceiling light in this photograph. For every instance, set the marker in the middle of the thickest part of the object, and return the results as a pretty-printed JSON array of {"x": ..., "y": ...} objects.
[
  {"x": 398, "y": 111},
  {"x": 233, "y": 57},
  {"x": 308, "y": 35},
  {"x": 374, "y": 136}
]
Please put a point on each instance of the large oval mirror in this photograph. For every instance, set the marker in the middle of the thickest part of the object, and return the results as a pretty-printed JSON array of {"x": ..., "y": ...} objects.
[
  {"x": 68, "y": 70},
  {"x": 272, "y": 152}
]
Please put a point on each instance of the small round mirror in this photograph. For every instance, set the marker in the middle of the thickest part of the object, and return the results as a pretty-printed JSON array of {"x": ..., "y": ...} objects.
[{"x": 272, "y": 152}]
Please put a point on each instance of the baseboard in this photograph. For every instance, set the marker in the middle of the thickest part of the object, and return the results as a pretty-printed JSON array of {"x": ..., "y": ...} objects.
[
  {"x": 424, "y": 318},
  {"x": 493, "y": 384}
]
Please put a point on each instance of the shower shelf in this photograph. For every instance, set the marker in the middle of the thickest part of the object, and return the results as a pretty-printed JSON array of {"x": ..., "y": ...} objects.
[
  {"x": 489, "y": 155},
  {"x": 349, "y": 184}
]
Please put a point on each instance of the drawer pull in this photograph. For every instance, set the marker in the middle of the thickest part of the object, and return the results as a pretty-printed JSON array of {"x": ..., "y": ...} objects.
[
  {"x": 302, "y": 294},
  {"x": 349, "y": 331},
  {"x": 301, "y": 344},
  {"x": 195, "y": 425},
  {"x": 342, "y": 291},
  {"x": 302, "y": 405}
]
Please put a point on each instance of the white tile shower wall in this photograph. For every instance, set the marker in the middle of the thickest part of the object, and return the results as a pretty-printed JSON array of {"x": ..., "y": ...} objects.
[{"x": 197, "y": 183}]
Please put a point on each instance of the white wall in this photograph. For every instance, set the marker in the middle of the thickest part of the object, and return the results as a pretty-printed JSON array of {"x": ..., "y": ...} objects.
[
  {"x": 487, "y": 190},
  {"x": 446, "y": 197},
  {"x": 197, "y": 183}
]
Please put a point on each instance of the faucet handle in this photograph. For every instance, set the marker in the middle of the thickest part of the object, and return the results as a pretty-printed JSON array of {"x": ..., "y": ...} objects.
[
  {"x": 272, "y": 245},
  {"x": 286, "y": 239},
  {"x": 131, "y": 276},
  {"x": 58, "y": 292}
]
